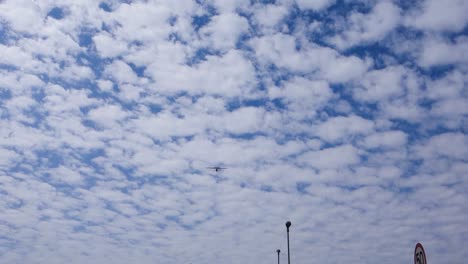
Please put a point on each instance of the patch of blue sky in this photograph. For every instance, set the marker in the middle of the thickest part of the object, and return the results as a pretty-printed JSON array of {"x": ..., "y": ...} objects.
[
  {"x": 245, "y": 136},
  {"x": 5, "y": 94},
  {"x": 301, "y": 187},
  {"x": 265, "y": 2},
  {"x": 412, "y": 129},
  {"x": 201, "y": 55},
  {"x": 50, "y": 158},
  {"x": 91, "y": 124},
  {"x": 277, "y": 74},
  {"x": 85, "y": 39},
  {"x": 184, "y": 138},
  {"x": 371, "y": 111},
  {"x": 409, "y": 5},
  {"x": 175, "y": 37},
  {"x": 104, "y": 6},
  {"x": 452, "y": 36},
  {"x": 155, "y": 108},
  {"x": 36, "y": 118},
  {"x": 90, "y": 181},
  {"x": 88, "y": 155},
  {"x": 243, "y": 41},
  {"x": 296, "y": 15},
  {"x": 200, "y": 21},
  {"x": 344, "y": 7},
  {"x": 57, "y": 13},
  {"x": 438, "y": 129},
  {"x": 82, "y": 228},
  {"x": 173, "y": 218},
  {"x": 8, "y": 67},
  {"x": 237, "y": 103},
  {"x": 67, "y": 189},
  {"x": 69, "y": 84},
  {"x": 9, "y": 225},
  {"x": 406, "y": 58},
  {"x": 92, "y": 59},
  {"x": 367, "y": 110},
  {"x": 109, "y": 205},
  {"x": 106, "y": 27},
  {"x": 7, "y": 243},
  {"x": 150, "y": 179},
  {"x": 438, "y": 71},
  {"x": 375, "y": 51},
  {"x": 15, "y": 204},
  {"x": 5, "y": 34},
  {"x": 339, "y": 142},
  {"x": 22, "y": 166},
  {"x": 139, "y": 70}
]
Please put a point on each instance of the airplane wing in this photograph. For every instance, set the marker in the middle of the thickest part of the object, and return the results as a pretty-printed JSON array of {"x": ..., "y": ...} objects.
[{"x": 216, "y": 168}]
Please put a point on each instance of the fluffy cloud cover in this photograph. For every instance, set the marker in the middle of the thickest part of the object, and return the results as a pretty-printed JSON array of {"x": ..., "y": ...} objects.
[{"x": 348, "y": 118}]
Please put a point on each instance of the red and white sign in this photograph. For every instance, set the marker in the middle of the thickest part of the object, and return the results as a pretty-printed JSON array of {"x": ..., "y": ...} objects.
[{"x": 419, "y": 255}]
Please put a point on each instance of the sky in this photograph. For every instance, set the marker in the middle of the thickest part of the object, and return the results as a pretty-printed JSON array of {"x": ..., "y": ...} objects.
[{"x": 348, "y": 118}]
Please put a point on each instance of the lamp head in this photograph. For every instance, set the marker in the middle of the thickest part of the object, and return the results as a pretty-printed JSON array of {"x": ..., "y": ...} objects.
[
  {"x": 278, "y": 251},
  {"x": 288, "y": 224}
]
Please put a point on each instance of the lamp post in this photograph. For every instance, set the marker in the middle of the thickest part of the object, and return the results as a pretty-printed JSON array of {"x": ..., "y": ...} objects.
[
  {"x": 288, "y": 224},
  {"x": 278, "y": 251}
]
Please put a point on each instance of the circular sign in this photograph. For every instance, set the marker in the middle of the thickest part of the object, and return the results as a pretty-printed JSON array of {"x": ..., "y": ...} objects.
[{"x": 419, "y": 255}]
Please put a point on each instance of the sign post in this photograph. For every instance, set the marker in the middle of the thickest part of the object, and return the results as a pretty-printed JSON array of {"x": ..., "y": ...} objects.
[{"x": 419, "y": 254}]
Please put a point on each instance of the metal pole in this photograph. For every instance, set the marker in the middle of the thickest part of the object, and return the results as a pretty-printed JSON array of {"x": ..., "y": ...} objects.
[
  {"x": 278, "y": 251},
  {"x": 288, "y": 224}
]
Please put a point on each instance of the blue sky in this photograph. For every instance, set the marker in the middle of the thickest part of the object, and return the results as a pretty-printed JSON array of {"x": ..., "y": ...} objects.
[{"x": 348, "y": 118}]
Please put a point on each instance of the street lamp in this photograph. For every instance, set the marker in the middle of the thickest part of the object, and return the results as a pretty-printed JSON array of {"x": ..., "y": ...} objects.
[
  {"x": 278, "y": 251},
  {"x": 288, "y": 224}
]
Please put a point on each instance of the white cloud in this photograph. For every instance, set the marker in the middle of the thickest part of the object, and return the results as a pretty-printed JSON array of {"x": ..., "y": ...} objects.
[
  {"x": 107, "y": 115},
  {"x": 244, "y": 120},
  {"x": 77, "y": 73},
  {"x": 340, "y": 69},
  {"x": 109, "y": 47},
  {"x": 224, "y": 30},
  {"x": 436, "y": 15},
  {"x": 449, "y": 86},
  {"x": 387, "y": 139},
  {"x": 230, "y": 75},
  {"x": 160, "y": 53},
  {"x": 15, "y": 56},
  {"x": 340, "y": 127},
  {"x": 7, "y": 158},
  {"x": 270, "y": 15},
  {"x": 303, "y": 96},
  {"x": 115, "y": 163},
  {"x": 132, "y": 22},
  {"x": 230, "y": 5},
  {"x": 20, "y": 102},
  {"x": 314, "y": 4},
  {"x": 323, "y": 62},
  {"x": 452, "y": 145},
  {"x": 66, "y": 175},
  {"x": 58, "y": 100},
  {"x": 364, "y": 28},
  {"x": 105, "y": 85},
  {"x": 331, "y": 158},
  {"x": 23, "y": 16},
  {"x": 381, "y": 84},
  {"x": 442, "y": 52},
  {"x": 121, "y": 72},
  {"x": 452, "y": 107}
]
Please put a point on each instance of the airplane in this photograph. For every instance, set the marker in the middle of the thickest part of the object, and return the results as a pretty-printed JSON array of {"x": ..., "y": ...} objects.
[{"x": 216, "y": 168}]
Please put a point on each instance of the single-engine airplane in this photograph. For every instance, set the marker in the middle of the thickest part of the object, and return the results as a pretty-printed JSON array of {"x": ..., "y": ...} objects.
[{"x": 216, "y": 168}]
